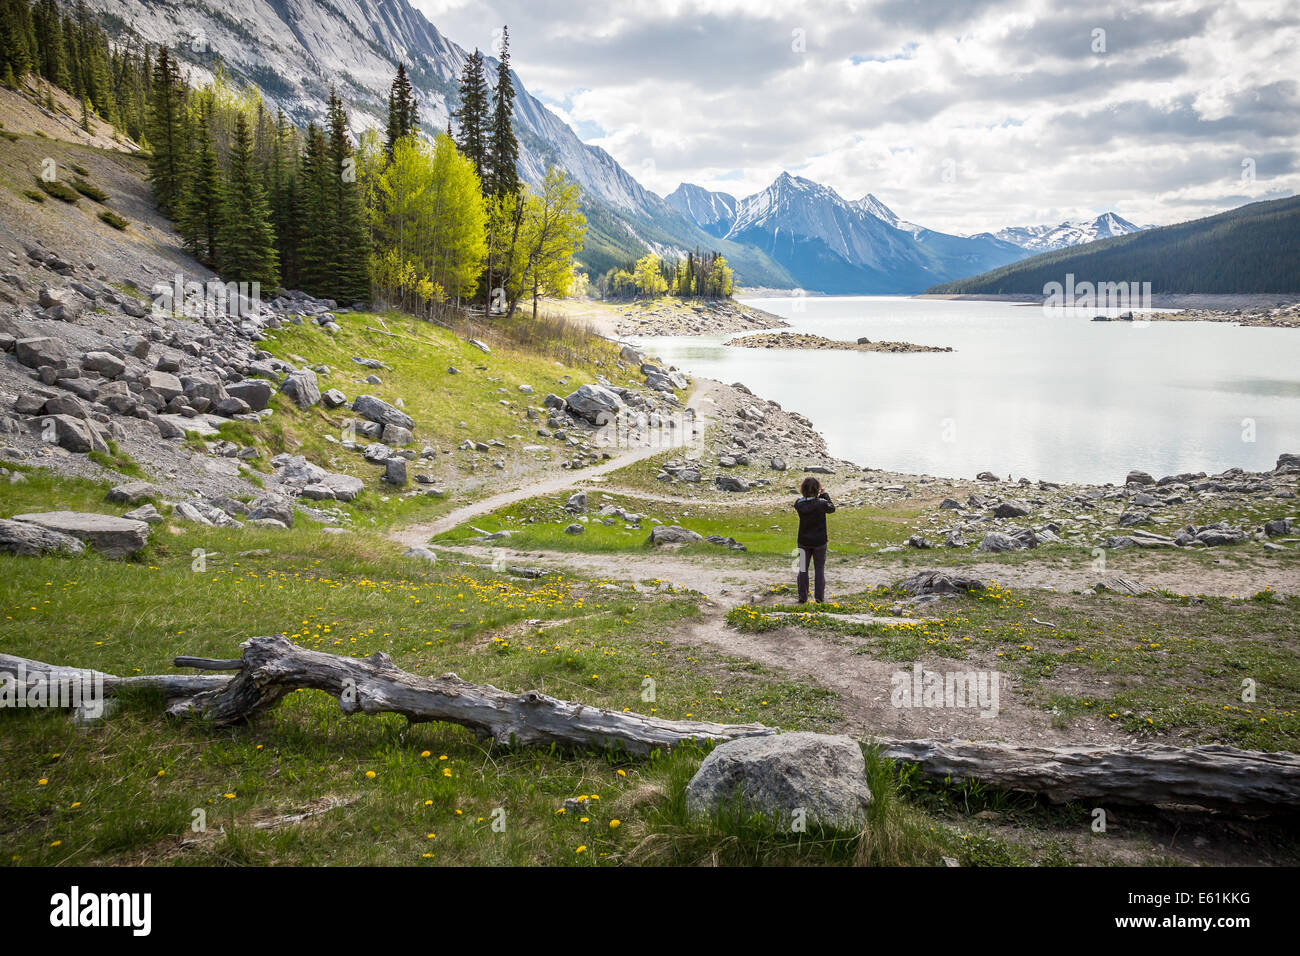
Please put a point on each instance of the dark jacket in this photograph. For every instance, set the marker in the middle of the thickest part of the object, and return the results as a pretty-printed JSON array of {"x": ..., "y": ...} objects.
[{"x": 812, "y": 519}]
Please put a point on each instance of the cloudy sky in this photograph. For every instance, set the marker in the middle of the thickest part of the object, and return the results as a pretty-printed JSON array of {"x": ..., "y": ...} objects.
[{"x": 962, "y": 115}]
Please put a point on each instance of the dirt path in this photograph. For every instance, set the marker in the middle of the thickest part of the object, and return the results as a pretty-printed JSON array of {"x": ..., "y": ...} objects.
[{"x": 419, "y": 534}]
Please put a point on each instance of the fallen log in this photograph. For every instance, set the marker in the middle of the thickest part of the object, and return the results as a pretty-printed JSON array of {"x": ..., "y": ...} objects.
[
  {"x": 1211, "y": 776},
  {"x": 272, "y": 667},
  {"x": 1215, "y": 777}
]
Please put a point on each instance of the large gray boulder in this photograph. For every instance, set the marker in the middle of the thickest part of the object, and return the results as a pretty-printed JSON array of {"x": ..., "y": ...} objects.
[
  {"x": 164, "y": 383},
  {"x": 132, "y": 493},
  {"x": 302, "y": 387},
  {"x": 274, "y": 507},
  {"x": 672, "y": 534},
  {"x": 74, "y": 434},
  {"x": 594, "y": 403},
  {"x": 377, "y": 410},
  {"x": 111, "y": 536},
  {"x": 20, "y": 537},
  {"x": 256, "y": 392},
  {"x": 105, "y": 363},
  {"x": 40, "y": 350},
  {"x": 819, "y": 779},
  {"x": 731, "y": 483},
  {"x": 1011, "y": 509},
  {"x": 997, "y": 541}
]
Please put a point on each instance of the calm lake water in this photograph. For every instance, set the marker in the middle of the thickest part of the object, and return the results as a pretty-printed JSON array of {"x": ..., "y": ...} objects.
[{"x": 1025, "y": 393}]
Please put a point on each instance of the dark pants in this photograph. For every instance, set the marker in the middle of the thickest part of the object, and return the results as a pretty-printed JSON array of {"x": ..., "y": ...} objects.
[{"x": 817, "y": 558}]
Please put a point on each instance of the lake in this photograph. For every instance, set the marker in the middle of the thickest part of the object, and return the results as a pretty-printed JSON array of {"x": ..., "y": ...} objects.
[{"x": 1027, "y": 392}]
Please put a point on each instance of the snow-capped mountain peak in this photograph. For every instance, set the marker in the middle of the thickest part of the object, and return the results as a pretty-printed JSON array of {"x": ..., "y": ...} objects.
[{"x": 1069, "y": 233}]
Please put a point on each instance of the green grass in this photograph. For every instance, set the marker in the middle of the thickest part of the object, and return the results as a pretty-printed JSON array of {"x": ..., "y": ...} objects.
[
  {"x": 117, "y": 460},
  {"x": 129, "y": 789},
  {"x": 1157, "y": 666},
  {"x": 766, "y": 529}
]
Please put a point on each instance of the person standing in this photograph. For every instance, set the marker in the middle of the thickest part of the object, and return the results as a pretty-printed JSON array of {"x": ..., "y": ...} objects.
[{"x": 813, "y": 507}]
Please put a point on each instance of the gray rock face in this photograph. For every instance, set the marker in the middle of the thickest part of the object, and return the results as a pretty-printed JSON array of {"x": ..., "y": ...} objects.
[
  {"x": 577, "y": 503},
  {"x": 817, "y": 778},
  {"x": 111, "y": 536},
  {"x": 302, "y": 387},
  {"x": 1011, "y": 509},
  {"x": 334, "y": 398},
  {"x": 377, "y": 410},
  {"x": 672, "y": 534},
  {"x": 30, "y": 540},
  {"x": 594, "y": 403},
  {"x": 256, "y": 392},
  {"x": 1136, "y": 477}
]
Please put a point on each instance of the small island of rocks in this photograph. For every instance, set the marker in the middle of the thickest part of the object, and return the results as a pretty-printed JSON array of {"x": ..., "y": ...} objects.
[{"x": 804, "y": 340}]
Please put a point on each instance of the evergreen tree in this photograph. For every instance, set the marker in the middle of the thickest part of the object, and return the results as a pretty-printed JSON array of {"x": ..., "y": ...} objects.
[
  {"x": 49, "y": 41},
  {"x": 350, "y": 265},
  {"x": 316, "y": 202},
  {"x": 282, "y": 184},
  {"x": 505, "y": 147},
  {"x": 17, "y": 41},
  {"x": 403, "y": 111},
  {"x": 471, "y": 115},
  {"x": 204, "y": 199},
  {"x": 245, "y": 238},
  {"x": 164, "y": 132}
]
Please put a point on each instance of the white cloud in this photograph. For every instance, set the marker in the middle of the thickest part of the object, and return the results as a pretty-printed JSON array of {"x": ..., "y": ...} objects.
[{"x": 1040, "y": 124}]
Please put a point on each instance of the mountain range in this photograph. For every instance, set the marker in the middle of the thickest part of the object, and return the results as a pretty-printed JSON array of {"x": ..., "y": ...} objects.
[
  {"x": 832, "y": 244},
  {"x": 1253, "y": 248},
  {"x": 795, "y": 233}
]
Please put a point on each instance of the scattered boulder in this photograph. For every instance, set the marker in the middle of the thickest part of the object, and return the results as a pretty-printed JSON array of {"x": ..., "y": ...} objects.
[
  {"x": 1012, "y": 509},
  {"x": 731, "y": 483},
  {"x": 941, "y": 582},
  {"x": 594, "y": 403},
  {"x": 395, "y": 471},
  {"x": 272, "y": 507},
  {"x": 577, "y": 503},
  {"x": 132, "y": 493},
  {"x": 818, "y": 778},
  {"x": 39, "y": 351},
  {"x": 996, "y": 541},
  {"x": 575, "y": 528},
  {"x": 379, "y": 411},
  {"x": 672, "y": 534},
  {"x": 111, "y": 536},
  {"x": 255, "y": 392},
  {"x": 31, "y": 540},
  {"x": 302, "y": 387}
]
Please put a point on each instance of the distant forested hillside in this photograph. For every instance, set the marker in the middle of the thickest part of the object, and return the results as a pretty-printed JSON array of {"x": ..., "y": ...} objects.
[{"x": 1254, "y": 248}]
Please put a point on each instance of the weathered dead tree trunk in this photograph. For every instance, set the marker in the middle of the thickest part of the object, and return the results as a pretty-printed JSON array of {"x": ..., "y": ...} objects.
[
  {"x": 1216, "y": 777},
  {"x": 1211, "y": 776},
  {"x": 272, "y": 667}
]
